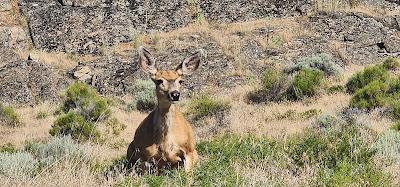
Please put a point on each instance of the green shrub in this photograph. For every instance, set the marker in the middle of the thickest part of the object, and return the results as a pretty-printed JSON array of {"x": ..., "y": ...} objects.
[
  {"x": 58, "y": 149},
  {"x": 269, "y": 78},
  {"x": 320, "y": 61},
  {"x": 306, "y": 83},
  {"x": 371, "y": 96},
  {"x": 9, "y": 117},
  {"x": 145, "y": 97},
  {"x": 205, "y": 105},
  {"x": 18, "y": 165},
  {"x": 368, "y": 75},
  {"x": 87, "y": 102},
  {"x": 8, "y": 148},
  {"x": 75, "y": 125},
  {"x": 391, "y": 63}
]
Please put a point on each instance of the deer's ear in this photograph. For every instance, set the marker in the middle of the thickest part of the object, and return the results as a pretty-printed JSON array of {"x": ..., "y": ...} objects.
[
  {"x": 190, "y": 64},
  {"x": 147, "y": 61}
]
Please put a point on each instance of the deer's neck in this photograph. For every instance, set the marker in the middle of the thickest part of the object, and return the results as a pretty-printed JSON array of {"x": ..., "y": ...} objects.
[{"x": 165, "y": 115}]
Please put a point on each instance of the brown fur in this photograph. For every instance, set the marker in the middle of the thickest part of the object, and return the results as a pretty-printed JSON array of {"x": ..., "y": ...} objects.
[{"x": 164, "y": 138}]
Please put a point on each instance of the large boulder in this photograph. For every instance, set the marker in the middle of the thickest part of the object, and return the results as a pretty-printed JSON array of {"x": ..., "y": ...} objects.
[{"x": 29, "y": 82}]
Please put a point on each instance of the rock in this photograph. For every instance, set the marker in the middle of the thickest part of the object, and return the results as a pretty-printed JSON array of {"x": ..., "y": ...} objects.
[
  {"x": 29, "y": 82},
  {"x": 392, "y": 45},
  {"x": 7, "y": 56},
  {"x": 83, "y": 74},
  {"x": 5, "y": 5},
  {"x": 13, "y": 37},
  {"x": 88, "y": 29},
  {"x": 364, "y": 37},
  {"x": 81, "y": 3},
  {"x": 33, "y": 56},
  {"x": 227, "y": 11}
]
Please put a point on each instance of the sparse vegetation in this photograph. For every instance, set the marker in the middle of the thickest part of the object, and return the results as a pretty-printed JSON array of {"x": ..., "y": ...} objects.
[
  {"x": 391, "y": 63},
  {"x": 9, "y": 117},
  {"x": 42, "y": 115},
  {"x": 8, "y": 148},
  {"x": 206, "y": 105}
]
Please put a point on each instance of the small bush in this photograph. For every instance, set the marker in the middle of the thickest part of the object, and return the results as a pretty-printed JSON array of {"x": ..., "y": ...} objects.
[
  {"x": 205, "y": 105},
  {"x": 145, "y": 96},
  {"x": 58, "y": 149},
  {"x": 368, "y": 75},
  {"x": 320, "y": 61},
  {"x": 306, "y": 83},
  {"x": 269, "y": 78},
  {"x": 387, "y": 147},
  {"x": 391, "y": 63},
  {"x": 8, "y": 148},
  {"x": 371, "y": 96},
  {"x": 327, "y": 121},
  {"x": 9, "y": 117},
  {"x": 86, "y": 101},
  {"x": 75, "y": 125},
  {"x": 18, "y": 165}
]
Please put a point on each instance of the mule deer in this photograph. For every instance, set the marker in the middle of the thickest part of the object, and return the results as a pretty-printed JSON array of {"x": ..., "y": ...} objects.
[{"x": 165, "y": 138}]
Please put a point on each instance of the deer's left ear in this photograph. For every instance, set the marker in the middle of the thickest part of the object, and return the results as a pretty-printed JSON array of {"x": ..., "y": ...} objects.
[{"x": 190, "y": 64}]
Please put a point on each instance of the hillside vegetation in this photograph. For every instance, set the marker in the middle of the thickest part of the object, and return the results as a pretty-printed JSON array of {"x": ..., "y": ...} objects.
[{"x": 289, "y": 93}]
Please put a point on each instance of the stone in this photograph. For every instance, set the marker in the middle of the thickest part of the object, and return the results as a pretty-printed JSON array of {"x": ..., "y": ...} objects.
[
  {"x": 7, "y": 56},
  {"x": 13, "y": 37},
  {"x": 5, "y": 5},
  {"x": 29, "y": 82}
]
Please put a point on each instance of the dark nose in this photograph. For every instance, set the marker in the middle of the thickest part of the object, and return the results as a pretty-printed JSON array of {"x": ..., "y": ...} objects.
[{"x": 175, "y": 96}]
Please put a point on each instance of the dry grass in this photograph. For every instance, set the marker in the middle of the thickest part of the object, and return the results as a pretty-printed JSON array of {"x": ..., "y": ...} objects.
[{"x": 261, "y": 119}]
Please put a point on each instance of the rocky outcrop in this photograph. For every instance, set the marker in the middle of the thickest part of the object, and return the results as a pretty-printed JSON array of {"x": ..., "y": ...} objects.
[
  {"x": 28, "y": 82},
  {"x": 227, "y": 11},
  {"x": 87, "y": 29},
  {"x": 366, "y": 39}
]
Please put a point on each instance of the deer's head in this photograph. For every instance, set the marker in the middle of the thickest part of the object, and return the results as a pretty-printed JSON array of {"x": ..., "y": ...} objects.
[{"x": 168, "y": 82}]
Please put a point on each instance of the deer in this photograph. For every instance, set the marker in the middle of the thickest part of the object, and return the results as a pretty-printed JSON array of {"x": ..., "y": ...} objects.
[{"x": 165, "y": 138}]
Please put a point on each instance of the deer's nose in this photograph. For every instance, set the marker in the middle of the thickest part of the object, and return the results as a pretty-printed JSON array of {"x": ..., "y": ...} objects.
[{"x": 174, "y": 96}]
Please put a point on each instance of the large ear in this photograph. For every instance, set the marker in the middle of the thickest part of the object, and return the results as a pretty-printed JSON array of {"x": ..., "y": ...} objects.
[
  {"x": 146, "y": 61},
  {"x": 190, "y": 64}
]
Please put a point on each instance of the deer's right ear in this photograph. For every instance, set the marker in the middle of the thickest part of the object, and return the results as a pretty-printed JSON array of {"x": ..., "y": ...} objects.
[{"x": 146, "y": 61}]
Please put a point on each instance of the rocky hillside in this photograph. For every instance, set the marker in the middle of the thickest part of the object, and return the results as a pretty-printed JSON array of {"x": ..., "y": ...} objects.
[{"x": 241, "y": 39}]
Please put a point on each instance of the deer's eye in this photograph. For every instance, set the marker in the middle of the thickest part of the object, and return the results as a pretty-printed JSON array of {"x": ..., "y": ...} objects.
[
  {"x": 181, "y": 82},
  {"x": 159, "y": 81}
]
